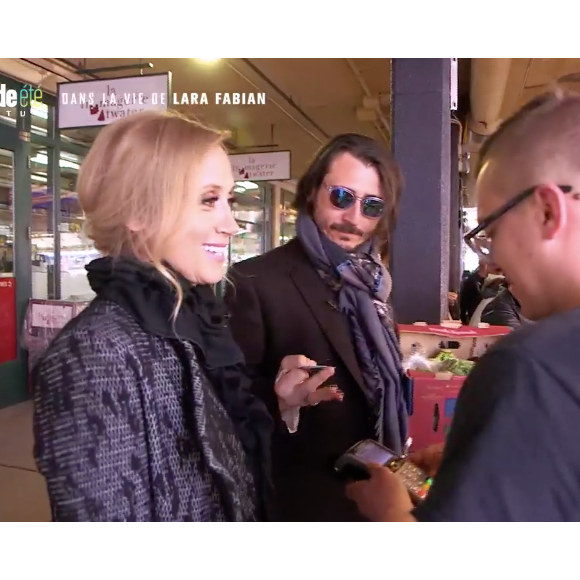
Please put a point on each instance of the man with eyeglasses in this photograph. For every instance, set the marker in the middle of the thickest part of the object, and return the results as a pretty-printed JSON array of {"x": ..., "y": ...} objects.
[
  {"x": 512, "y": 453},
  {"x": 324, "y": 299}
]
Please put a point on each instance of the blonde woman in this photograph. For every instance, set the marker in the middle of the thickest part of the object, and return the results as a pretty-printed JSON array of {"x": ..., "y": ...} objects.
[{"x": 142, "y": 408}]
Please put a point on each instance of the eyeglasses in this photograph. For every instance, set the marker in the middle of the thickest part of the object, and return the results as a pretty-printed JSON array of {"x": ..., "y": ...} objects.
[
  {"x": 343, "y": 198},
  {"x": 479, "y": 241}
]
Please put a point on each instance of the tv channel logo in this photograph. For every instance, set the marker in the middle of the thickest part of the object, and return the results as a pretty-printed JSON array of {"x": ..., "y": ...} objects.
[{"x": 27, "y": 95}]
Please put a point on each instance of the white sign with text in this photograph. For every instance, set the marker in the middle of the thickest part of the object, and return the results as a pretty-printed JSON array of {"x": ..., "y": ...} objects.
[
  {"x": 51, "y": 315},
  {"x": 270, "y": 166},
  {"x": 101, "y": 102}
]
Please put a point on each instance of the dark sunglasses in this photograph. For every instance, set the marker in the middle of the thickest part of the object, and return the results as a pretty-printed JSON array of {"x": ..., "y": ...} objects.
[
  {"x": 343, "y": 198},
  {"x": 479, "y": 241}
]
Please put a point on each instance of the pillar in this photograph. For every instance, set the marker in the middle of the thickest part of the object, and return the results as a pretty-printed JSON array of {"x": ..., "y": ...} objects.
[
  {"x": 455, "y": 226},
  {"x": 421, "y": 141}
]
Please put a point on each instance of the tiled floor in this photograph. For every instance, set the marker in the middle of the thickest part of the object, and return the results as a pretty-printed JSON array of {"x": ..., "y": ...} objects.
[{"x": 22, "y": 491}]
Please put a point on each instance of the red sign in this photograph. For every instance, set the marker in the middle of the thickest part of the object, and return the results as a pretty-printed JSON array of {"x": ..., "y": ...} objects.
[{"x": 8, "y": 336}]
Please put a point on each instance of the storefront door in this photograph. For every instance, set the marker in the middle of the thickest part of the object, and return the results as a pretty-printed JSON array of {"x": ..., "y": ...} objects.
[{"x": 15, "y": 267}]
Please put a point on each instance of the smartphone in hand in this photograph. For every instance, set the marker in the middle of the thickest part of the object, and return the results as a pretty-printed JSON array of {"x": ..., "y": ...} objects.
[{"x": 312, "y": 370}]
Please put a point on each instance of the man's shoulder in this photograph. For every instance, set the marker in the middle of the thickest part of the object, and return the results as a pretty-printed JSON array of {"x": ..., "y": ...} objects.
[
  {"x": 274, "y": 261},
  {"x": 550, "y": 339},
  {"x": 529, "y": 360}
]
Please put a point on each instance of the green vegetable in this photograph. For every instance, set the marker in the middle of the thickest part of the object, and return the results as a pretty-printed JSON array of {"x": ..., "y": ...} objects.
[
  {"x": 444, "y": 355},
  {"x": 448, "y": 363}
]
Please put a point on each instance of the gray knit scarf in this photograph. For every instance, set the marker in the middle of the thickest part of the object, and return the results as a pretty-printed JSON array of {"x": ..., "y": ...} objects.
[{"x": 364, "y": 286}]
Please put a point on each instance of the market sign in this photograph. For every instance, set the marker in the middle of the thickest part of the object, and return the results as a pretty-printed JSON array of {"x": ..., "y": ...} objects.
[
  {"x": 271, "y": 166},
  {"x": 83, "y": 104}
]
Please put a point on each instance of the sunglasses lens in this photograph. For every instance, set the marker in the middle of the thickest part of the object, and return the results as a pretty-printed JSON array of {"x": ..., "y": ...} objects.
[
  {"x": 373, "y": 207},
  {"x": 341, "y": 198}
]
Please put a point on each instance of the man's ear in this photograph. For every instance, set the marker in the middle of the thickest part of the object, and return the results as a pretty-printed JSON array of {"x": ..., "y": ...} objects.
[{"x": 553, "y": 210}]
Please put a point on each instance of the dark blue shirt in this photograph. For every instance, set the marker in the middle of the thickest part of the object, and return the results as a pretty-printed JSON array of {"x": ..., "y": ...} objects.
[{"x": 513, "y": 452}]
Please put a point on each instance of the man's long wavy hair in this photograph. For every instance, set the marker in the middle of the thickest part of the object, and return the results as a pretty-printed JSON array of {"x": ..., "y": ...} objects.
[{"x": 370, "y": 152}]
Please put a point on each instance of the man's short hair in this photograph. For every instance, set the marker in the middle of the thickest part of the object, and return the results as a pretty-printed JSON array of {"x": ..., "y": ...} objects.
[{"x": 545, "y": 118}]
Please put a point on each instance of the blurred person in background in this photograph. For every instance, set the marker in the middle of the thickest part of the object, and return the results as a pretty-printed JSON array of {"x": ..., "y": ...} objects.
[
  {"x": 491, "y": 287},
  {"x": 142, "y": 410},
  {"x": 453, "y": 305},
  {"x": 324, "y": 299},
  {"x": 504, "y": 309},
  {"x": 512, "y": 452},
  {"x": 470, "y": 292}
]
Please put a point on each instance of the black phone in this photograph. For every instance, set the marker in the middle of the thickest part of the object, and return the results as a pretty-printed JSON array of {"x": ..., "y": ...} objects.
[
  {"x": 353, "y": 465},
  {"x": 312, "y": 370}
]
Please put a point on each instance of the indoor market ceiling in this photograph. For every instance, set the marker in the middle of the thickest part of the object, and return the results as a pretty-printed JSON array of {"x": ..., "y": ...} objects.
[
  {"x": 310, "y": 100},
  {"x": 307, "y": 100},
  {"x": 499, "y": 86}
]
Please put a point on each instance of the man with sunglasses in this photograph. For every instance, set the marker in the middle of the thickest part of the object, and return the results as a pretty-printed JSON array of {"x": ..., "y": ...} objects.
[
  {"x": 323, "y": 299},
  {"x": 512, "y": 453}
]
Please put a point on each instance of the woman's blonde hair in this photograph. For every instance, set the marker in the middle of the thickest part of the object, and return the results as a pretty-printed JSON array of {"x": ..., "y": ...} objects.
[{"x": 134, "y": 182}]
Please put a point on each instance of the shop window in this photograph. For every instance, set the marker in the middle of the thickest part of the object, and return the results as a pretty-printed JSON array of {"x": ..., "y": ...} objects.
[
  {"x": 287, "y": 217},
  {"x": 39, "y": 118},
  {"x": 250, "y": 213},
  {"x": 42, "y": 222},
  {"x": 76, "y": 249}
]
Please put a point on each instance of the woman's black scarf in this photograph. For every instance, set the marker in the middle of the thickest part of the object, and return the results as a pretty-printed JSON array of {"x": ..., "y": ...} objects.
[{"x": 151, "y": 299}]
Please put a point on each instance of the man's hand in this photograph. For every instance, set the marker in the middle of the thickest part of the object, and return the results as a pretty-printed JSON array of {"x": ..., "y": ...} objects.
[
  {"x": 294, "y": 388},
  {"x": 383, "y": 497},
  {"x": 428, "y": 459}
]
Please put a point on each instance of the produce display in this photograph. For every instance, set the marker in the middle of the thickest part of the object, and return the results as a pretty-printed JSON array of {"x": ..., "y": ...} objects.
[{"x": 444, "y": 362}]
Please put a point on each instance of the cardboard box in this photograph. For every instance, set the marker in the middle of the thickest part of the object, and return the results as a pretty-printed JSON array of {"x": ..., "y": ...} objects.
[{"x": 435, "y": 394}]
